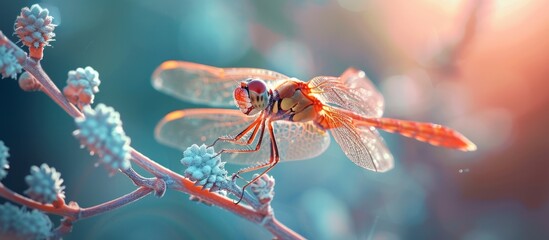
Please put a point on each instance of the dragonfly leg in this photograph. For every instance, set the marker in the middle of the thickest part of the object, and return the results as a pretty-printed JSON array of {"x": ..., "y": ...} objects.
[
  {"x": 257, "y": 146},
  {"x": 275, "y": 158},
  {"x": 236, "y": 139},
  {"x": 235, "y": 176},
  {"x": 250, "y": 169}
]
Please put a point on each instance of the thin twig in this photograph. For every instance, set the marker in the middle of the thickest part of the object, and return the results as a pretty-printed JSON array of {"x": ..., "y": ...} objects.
[
  {"x": 157, "y": 184},
  {"x": 139, "y": 180},
  {"x": 73, "y": 211},
  {"x": 115, "y": 203},
  {"x": 35, "y": 69},
  {"x": 447, "y": 56},
  {"x": 63, "y": 210},
  {"x": 63, "y": 229},
  {"x": 279, "y": 230}
]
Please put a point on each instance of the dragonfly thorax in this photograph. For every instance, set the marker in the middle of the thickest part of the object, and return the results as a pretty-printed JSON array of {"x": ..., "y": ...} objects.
[{"x": 252, "y": 96}]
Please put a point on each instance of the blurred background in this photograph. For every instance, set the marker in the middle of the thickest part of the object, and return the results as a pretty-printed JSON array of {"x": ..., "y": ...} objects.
[{"x": 477, "y": 66}]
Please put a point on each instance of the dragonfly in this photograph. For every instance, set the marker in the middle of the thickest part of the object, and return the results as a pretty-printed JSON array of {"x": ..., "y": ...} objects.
[{"x": 283, "y": 119}]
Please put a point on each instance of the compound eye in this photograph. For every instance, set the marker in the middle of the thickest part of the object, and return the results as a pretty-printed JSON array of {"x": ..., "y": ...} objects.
[{"x": 257, "y": 86}]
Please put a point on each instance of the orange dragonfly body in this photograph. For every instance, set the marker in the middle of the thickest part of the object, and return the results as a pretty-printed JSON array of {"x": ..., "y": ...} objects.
[{"x": 295, "y": 115}]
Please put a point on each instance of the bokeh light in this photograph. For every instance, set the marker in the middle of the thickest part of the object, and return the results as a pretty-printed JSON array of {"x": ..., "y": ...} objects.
[{"x": 210, "y": 31}]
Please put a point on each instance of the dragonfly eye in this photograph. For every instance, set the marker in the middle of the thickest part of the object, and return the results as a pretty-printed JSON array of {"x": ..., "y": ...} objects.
[
  {"x": 241, "y": 95},
  {"x": 258, "y": 86}
]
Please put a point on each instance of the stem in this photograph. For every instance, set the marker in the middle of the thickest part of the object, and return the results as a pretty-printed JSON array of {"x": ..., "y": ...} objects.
[
  {"x": 151, "y": 166},
  {"x": 280, "y": 230},
  {"x": 139, "y": 180},
  {"x": 35, "y": 69},
  {"x": 36, "y": 53},
  {"x": 247, "y": 198},
  {"x": 156, "y": 184},
  {"x": 64, "y": 210},
  {"x": 115, "y": 203},
  {"x": 63, "y": 229},
  {"x": 73, "y": 211},
  {"x": 455, "y": 48}
]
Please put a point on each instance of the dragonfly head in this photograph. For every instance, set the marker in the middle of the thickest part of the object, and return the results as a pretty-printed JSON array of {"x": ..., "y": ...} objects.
[{"x": 252, "y": 96}]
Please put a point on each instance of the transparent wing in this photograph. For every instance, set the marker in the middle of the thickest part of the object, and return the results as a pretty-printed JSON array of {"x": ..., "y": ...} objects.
[
  {"x": 300, "y": 140},
  {"x": 296, "y": 141},
  {"x": 362, "y": 145},
  {"x": 204, "y": 84},
  {"x": 352, "y": 91}
]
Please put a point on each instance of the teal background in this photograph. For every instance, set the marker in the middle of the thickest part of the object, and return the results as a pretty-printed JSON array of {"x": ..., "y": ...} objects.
[{"x": 426, "y": 196}]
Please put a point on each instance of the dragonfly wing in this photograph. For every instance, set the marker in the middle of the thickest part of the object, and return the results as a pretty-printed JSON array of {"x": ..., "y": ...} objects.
[
  {"x": 204, "y": 84},
  {"x": 300, "y": 140},
  {"x": 352, "y": 91},
  {"x": 362, "y": 145},
  {"x": 296, "y": 141},
  {"x": 180, "y": 129}
]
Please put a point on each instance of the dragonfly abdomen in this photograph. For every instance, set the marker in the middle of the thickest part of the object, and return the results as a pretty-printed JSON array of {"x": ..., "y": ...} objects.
[{"x": 434, "y": 134}]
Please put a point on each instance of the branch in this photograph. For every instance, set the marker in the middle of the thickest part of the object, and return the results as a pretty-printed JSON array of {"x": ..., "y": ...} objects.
[
  {"x": 139, "y": 180},
  {"x": 63, "y": 210},
  {"x": 158, "y": 185},
  {"x": 35, "y": 69},
  {"x": 445, "y": 59},
  {"x": 115, "y": 203},
  {"x": 72, "y": 211},
  {"x": 63, "y": 229}
]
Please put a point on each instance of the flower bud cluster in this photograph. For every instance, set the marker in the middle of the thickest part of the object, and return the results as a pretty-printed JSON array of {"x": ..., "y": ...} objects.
[
  {"x": 204, "y": 167},
  {"x": 34, "y": 26},
  {"x": 100, "y": 130},
  {"x": 44, "y": 184},
  {"x": 82, "y": 84}
]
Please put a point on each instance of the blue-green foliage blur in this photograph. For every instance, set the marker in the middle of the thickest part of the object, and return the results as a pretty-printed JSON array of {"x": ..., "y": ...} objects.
[{"x": 324, "y": 198}]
